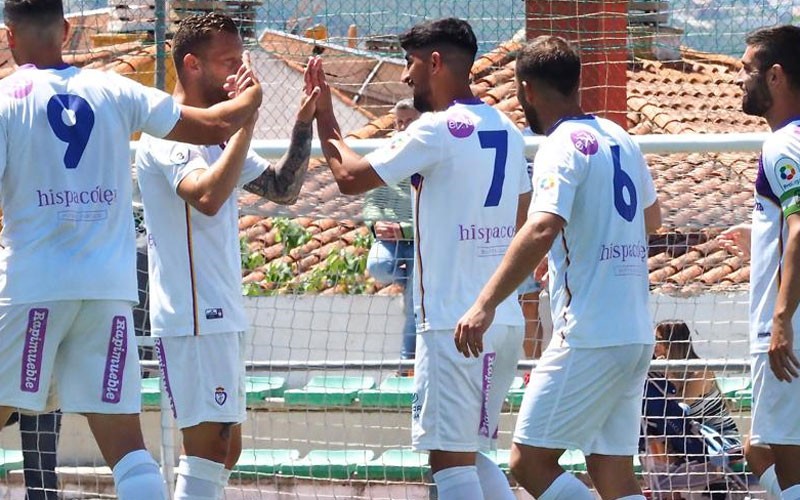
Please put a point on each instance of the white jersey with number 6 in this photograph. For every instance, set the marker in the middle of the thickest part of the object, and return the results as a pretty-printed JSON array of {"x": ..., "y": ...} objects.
[
  {"x": 65, "y": 182},
  {"x": 467, "y": 168},
  {"x": 589, "y": 172}
]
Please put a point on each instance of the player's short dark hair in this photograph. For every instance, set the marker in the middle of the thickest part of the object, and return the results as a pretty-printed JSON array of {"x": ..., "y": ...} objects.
[
  {"x": 552, "y": 61},
  {"x": 196, "y": 32},
  {"x": 777, "y": 45},
  {"x": 39, "y": 13},
  {"x": 446, "y": 36}
]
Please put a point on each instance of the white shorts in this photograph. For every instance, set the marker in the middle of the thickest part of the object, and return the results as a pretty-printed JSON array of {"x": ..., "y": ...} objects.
[
  {"x": 204, "y": 377},
  {"x": 87, "y": 346},
  {"x": 457, "y": 400},
  {"x": 589, "y": 399},
  {"x": 775, "y": 405}
]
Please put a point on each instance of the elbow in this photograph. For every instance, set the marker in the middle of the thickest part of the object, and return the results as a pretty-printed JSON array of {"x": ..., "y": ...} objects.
[{"x": 207, "y": 206}]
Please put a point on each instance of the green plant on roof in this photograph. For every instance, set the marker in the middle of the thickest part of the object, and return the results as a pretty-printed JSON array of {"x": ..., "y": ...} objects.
[
  {"x": 290, "y": 233},
  {"x": 250, "y": 260},
  {"x": 363, "y": 240}
]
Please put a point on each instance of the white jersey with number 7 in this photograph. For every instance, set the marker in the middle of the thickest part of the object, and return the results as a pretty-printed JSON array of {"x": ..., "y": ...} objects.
[
  {"x": 65, "y": 182},
  {"x": 467, "y": 167},
  {"x": 589, "y": 172}
]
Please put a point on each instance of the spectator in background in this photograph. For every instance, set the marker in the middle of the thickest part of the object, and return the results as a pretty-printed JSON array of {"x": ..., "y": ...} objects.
[{"x": 387, "y": 211}]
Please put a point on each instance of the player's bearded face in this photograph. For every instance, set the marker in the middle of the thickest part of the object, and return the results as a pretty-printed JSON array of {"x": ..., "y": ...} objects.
[
  {"x": 222, "y": 58},
  {"x": 416, "y": 74},
  {"x": 757, "y": 98}
]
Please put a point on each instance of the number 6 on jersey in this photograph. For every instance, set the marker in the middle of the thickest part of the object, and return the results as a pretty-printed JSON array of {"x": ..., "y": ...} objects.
[{"x": 72, "y": 121}]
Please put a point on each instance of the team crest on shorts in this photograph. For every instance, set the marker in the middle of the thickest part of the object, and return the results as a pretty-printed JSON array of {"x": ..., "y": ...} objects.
[{"x": 220, "y": 396}]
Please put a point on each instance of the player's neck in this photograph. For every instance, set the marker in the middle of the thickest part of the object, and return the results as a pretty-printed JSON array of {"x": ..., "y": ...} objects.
[
  {"x": 783, "y": 112},
  {"x": 187, "y": 98},
  {"x": 40, "y": 58},
  {"x": 548, "y": 118},
  {"x": 461, "y": 94}
]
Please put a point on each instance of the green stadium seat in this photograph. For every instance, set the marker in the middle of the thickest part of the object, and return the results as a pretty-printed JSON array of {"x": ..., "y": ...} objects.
[
  {"x": 394, "y": 392},
  {"x": 260, "y": 388},
  {"x": 728, "y": 386},
  {"x": 501, "y": 458},
  {"x": 515, "y": 392},
  {"x": 573, "y": 461},
  {"x": 395, "y": 465},
  {"x": 10, "y": 460},
  {"x": 254, "y": 462},
  {"x": 743, "y": 399},
  {"x": 151, "y": 391},
  {"x": 327, "y": 464},
  {"x": 328, "y": 390}
]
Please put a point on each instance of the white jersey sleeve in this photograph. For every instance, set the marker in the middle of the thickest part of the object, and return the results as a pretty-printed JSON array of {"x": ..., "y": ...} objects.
[
  {"x": 525, "y": 176},
  {"x": 150, "y": 110},
  {"x": 254, "y": 166},
  {"x": 415, "y": 151},
  {"x": 649, "y": 195},
  {"x": 782, "y": 171},
  {"x": 557, "y": 173}
]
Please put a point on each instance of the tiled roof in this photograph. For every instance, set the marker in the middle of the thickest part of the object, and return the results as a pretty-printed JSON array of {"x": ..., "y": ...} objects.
[{"x": 701, "y": 193}]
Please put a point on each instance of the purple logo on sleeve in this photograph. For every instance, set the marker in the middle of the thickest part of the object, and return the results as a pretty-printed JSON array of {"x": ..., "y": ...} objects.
[
  {"x": 460, "y": 125},
  {"x": 32, "y": 350},
  {"x": 115, "y": 360},
  {"x": 584, "y": 141},
  {"x": 488, "y": 370},
  {"x": 18, "y": 88}
]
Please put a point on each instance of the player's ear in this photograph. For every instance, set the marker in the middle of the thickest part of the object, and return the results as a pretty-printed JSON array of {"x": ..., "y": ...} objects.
[
  {"x": 435, "y": 61},
  {"x": 191, "y": 62},
  {"x": 11, "y": 37},
  {"x": 66, "y": 32},
  {"x": 528, "y": 90}
]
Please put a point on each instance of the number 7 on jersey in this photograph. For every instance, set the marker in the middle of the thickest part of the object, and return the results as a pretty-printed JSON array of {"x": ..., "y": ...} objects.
[{"x": 497, "y": 140}]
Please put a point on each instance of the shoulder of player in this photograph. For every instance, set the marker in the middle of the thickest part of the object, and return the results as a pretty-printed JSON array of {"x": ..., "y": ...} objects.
[
  {"x": 783, "y": 142},
  {"x": 154, "y": 152}
]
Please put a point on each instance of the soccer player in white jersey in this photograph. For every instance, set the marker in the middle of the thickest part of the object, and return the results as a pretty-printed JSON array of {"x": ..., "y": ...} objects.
[
  {"x": 770, "y": 78},
  {"x": 67, "y": 263},
  {"x": 593, "y": 205},
  {"x": 191, "y": 215},
  {"x": 470, "y": 187}
]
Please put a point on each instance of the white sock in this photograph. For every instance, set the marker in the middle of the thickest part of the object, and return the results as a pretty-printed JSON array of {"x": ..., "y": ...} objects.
[
  {"x": 567, "y": 487},
  {"x": 137, "y": 476},
  {"x": 223, "y": 481},
  {"x": 198, "y": 479},
  {"x": 769, "y": 481},
  {"x": 791, "y": 493},
  {"x": 458, "y": 483},
  {"x": 494, "y": 483}
]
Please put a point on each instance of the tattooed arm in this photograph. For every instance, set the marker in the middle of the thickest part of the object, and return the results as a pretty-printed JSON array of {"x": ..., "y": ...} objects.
[{"x": 281, "y": 182}]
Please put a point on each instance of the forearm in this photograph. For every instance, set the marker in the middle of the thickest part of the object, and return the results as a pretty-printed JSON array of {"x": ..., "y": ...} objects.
[
  {"x": 527, "y": 249},
  {"x": 282, "y": 182},
  {"x": 219, "y": 122},
  {"x": 212, "y": 187},
  {"x": 337, "y": 154},
  {"x": 789, "y": 291}
]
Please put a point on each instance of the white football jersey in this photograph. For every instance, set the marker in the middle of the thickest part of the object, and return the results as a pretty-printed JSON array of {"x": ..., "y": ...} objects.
[
  {"x": 194, "y": 260},
  {"x": 589, "y": 172},
  {"x": 65, "y": 182},
  {"x": 777, "y": 194},
  {"x": 467, "y": 168}
]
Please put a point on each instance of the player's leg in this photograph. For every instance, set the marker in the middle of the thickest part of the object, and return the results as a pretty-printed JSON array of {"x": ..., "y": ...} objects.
[
  {"x": 382, "y": 261},
  {"x": 204, "y": 377},
  {"x": 446, "y": 412},
  {"x": 762, "y": 463},
  {"x": 98, "y": 373},
  {"x": 609, "y": 458},
  {"x": 775, "y": 423}
]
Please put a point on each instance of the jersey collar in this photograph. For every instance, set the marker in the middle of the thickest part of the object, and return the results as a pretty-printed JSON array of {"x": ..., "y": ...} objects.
[
  {"x": 468, "y": 101},
  {"x": 59, "y": 67},
  {"x": 787, "y": 122},
  {"x": 568, "y": 119}
]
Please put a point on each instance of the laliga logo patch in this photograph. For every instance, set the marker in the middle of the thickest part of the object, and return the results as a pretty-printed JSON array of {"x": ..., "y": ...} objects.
[
  {"x": 460, "y": 126},
  {"x": 786, "y": 170},
  {"x": 548, "y": 181},
  {"x": 220, "y": 396},
  {"x": 584, "y": 141}
]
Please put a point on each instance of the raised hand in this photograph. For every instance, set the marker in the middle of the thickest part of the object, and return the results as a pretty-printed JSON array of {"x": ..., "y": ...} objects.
[
  {"x": 736, "y": 239},
  {"x": 244, "y": 78},
  {"x": 314, "y": 77},
  {"x": 308, "y": 104}
]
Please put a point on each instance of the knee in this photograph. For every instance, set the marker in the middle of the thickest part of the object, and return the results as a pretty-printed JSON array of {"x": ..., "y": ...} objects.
[
  {"x": 759, "y": 458},
  {"x": 381, "y": 269}
]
